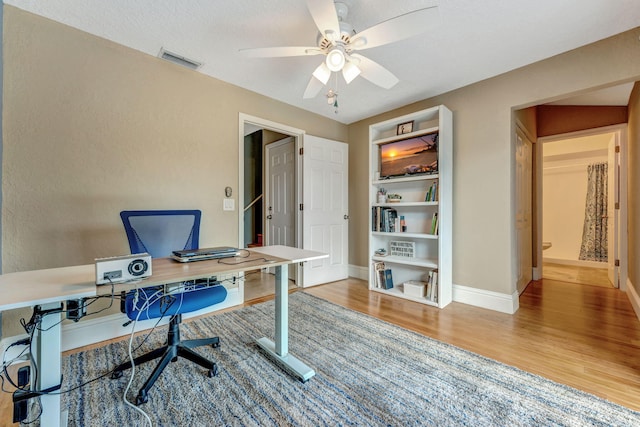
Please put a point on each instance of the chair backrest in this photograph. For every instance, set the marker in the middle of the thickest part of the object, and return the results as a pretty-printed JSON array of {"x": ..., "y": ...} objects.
[{"x": 160, "y": 232}]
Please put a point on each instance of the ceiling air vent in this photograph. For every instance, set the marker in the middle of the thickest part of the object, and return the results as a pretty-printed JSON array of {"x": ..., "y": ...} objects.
[{"x": 179, "y": 59}]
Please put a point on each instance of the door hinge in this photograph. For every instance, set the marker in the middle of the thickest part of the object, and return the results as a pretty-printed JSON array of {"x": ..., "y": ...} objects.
[
  {"x": 301, "y": 264},
  {"x": 617, "y": 263},
  {"x": 617, "y": 148},
  {"x": 617, "y": 205},
  {"x": 301, "y": 151},
  {"x": 301, "y": 206}
]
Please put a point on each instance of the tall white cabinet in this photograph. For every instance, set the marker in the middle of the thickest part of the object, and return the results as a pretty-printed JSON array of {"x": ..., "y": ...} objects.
[{"x": 413, "y": 255}]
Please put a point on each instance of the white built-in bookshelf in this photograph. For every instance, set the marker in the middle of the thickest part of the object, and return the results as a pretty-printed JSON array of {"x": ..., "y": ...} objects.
[{"x": 418, "y": 256}]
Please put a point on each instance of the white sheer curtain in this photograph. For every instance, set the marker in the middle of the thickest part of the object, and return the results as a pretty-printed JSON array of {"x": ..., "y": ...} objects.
[{"x": 594, "y": 232}]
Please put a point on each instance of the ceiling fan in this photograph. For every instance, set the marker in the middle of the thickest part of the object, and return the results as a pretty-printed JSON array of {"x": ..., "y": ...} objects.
[{"x": 338, "y": 42}]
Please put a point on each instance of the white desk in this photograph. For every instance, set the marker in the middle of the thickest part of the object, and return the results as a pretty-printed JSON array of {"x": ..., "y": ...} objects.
[{"x": 47, "y": 288}]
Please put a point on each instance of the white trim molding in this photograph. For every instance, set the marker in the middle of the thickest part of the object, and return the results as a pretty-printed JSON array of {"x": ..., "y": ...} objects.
[
  {"x": 504, "y": 303},
  {"x": 358, "y": 272},
  {"x": 634, "y": 298}
]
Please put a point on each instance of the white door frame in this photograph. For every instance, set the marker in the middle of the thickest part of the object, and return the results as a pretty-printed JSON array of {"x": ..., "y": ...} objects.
[
  {"x": 297, "y": 134},
  {"x": 621, "y": 131}
]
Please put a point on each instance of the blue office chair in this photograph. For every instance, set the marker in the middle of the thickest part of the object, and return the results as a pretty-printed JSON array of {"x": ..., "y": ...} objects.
[{"x": 158, "y": 233}]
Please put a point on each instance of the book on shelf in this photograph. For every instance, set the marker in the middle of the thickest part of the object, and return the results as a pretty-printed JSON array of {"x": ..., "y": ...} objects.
[
  {"x": 432, "y": 192},
  {"x": 434, "y": 223},
  {"x": 388, "y": 279},
  {"x": 384, "y": 219},
  {"x": 432, "y": 286},
  {"x": 378, "y": 273}
]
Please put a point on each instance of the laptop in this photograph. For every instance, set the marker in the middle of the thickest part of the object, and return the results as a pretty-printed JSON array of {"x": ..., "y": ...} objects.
[{"x": 188, "y": 255}]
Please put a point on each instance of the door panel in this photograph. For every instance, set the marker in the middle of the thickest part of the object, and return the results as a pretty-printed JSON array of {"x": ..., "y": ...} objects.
[
  {"x": 524, "y": 160},
  {"x": 325, "y": 209}
]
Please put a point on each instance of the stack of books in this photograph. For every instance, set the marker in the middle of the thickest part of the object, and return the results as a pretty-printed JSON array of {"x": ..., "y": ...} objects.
[
  {"x": 432, "y": 193},
  {"x": 383, "y": 278},
  {"x": 384, "y": 219},
  {"x": 432, "y": 286}
]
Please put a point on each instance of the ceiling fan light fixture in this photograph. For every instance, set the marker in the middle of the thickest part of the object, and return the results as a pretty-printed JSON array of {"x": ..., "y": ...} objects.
[
  {"x": 336, "y": 59},
  {"x": 322, "y": 73},
  {"x": 359, "y": 42},
  {"x": 350, "y": 72}
]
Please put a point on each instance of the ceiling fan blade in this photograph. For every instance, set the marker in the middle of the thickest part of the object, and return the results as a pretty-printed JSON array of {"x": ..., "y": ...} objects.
[
  {"x": 313, "y": 88},
  {"x": 395, "y": 29},
  {"x": 271, "y": 52},
  {"x": 324, "y": 15},
  {"x": 375, "y": 72}
]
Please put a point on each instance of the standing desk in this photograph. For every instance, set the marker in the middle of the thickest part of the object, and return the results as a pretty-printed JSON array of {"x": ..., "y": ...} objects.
[{"x": 48, "y": 288}]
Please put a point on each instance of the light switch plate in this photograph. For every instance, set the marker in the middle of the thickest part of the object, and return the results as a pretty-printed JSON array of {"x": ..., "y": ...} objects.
[{"x": 228, "y": 204}]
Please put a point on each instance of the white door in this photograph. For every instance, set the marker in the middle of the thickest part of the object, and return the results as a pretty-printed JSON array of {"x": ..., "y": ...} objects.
[
  {"x": 523, "y": 178},
  {"x": 613, "y": 201},
  {"x": 325, "y": 209},
  {"x": 280, "y": 193}
]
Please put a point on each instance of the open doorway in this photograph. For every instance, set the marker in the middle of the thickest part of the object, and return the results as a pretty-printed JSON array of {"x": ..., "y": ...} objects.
[
  {"x": 261, "y": 140},
  {"x": 580, "y": 222}
]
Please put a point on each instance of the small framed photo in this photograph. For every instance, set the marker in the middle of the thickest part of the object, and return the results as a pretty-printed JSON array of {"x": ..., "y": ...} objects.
[{"x": 404, "y": 128}]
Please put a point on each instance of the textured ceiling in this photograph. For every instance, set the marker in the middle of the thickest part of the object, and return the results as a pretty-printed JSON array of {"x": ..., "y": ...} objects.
[{"x": 471, "y": 40}]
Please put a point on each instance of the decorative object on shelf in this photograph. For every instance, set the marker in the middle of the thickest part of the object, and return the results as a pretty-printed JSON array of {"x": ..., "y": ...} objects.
[
  {"x": 380, "y": 252},
  {"x": 415, "y": 155},
  {"x": 382, "y": 195},
  {"x": 403, "y": 224},
  {"x": 414, "y": 288},
  {"x": 403, "y": 128},
  {"x": 402, "y": 248},
  {"x": 393, "y": 198}
]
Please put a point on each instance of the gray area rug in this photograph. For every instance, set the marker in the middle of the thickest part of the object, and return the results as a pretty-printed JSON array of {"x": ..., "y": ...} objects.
[{"x": 368, "y": 373}]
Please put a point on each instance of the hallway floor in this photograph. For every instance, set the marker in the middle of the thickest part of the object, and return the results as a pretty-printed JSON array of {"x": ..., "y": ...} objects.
[{"x": 574, "y": 274}]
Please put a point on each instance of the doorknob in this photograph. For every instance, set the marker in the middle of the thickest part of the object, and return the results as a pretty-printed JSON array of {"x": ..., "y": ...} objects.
[
  {"x": 269, "y": 216},
  {"x": 346, "y": 216}
]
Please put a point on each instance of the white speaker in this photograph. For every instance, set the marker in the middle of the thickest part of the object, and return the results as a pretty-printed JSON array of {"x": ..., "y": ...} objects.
[{"x": 125, "y": 268}]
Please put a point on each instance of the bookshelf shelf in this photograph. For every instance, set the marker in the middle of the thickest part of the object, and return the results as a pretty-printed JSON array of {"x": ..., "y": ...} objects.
[
  {"x": 425, "y": 209},
  {"x": 398, "y": 292},
  {"x": 418, "y": 262},
  {"x": 405, "y": 204},
  {"x": 405, "y": 235},
  {"x": 426, "y": 177}
]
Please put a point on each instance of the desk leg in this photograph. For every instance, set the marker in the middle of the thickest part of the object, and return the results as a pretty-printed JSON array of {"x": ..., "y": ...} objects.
[
  {"x": 279, "y": 351},
  {"x": 47, "y": 356}
]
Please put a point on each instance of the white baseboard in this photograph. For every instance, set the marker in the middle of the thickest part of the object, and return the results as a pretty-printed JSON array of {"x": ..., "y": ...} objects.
[
  {"x": 94, "y": 330},
  {"x": 634, "y": 298},
  {"x": 490, "y": 300},
  {"x": 358, "y": 272}
]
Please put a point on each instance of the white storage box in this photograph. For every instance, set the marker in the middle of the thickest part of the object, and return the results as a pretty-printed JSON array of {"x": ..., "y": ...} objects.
[{"x": 415, "y": 288}]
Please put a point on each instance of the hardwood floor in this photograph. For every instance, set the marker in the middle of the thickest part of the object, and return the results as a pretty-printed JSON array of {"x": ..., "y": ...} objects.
[
  {"x": 574, "y": 274},
  {"x": 587, "y": 337}
]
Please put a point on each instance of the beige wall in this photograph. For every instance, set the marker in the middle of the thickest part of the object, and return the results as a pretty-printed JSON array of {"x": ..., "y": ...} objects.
[
  {"x": 633, "y": 190},
  {"x": 92, "y": 128},
  {"x": 483, "y": 238}
]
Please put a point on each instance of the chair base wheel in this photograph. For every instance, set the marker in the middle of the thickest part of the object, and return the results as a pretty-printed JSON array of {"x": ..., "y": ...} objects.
[
  {"x": 213, "y": 372},
  {"x": 116, "y": 374},
  {"x": 141, "y": 398},
  {"x": 215, "y": 344}
]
